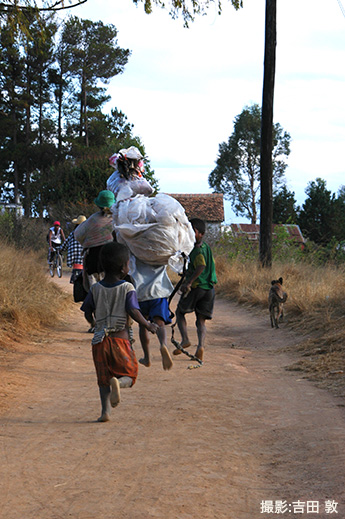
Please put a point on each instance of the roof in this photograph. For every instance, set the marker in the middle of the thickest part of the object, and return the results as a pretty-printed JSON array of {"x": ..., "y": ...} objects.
[
  {"x": 207, "y": 206},
  {"x": 252, "y": 231}
]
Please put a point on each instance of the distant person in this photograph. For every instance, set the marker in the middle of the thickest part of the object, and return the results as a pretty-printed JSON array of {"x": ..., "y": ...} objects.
[
  {"x": 107, "y": 307},
  {"x": 56, "y": 238},
  {"x": 74, "y": 251},
  {"x": 197, "y": 290}
]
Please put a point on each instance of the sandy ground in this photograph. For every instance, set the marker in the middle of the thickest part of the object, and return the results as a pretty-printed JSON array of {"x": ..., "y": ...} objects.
[{"x": 231, "y": 439}]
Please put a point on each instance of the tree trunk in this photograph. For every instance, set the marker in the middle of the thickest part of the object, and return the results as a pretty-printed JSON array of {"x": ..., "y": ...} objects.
[
  {"x": 266, "y": 204},
  {"x": 60, "y": 94}
]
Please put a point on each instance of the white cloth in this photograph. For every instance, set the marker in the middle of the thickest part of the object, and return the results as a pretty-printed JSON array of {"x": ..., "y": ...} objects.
[
  {"x": 56, "y": 236},
  {"x": 151, "y": 282}
]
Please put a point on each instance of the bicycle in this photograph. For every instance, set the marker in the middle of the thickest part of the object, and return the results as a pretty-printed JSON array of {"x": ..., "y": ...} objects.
[{"x": 56, "y": 263}]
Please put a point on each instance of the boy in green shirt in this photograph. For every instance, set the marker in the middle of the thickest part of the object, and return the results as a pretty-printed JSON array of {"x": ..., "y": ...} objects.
[{"x": 197, "y": 290}]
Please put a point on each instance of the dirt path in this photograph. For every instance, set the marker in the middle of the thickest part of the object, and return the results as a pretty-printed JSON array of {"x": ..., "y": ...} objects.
[{"x": 213, "y": 442}]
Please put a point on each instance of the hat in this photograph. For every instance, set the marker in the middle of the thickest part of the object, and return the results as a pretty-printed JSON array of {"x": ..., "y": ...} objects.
[
  {"x": 105, "y": 198},
  {"x": 57, "y": 223},
  {"x": 81, "y": 218},
  {"x": 131, "y": 153}
]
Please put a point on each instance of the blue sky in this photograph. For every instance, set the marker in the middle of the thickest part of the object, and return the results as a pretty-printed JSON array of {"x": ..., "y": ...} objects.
[{"x": 182, "y": 88}]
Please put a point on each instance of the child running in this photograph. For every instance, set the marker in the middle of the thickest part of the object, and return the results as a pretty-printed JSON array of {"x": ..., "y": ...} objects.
[
  {"x": 107, "y": 307},
  {"x": 197, "y": 290}
]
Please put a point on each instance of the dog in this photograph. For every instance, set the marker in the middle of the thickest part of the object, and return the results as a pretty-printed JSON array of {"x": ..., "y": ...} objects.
[{"x": 276, "y": 298}]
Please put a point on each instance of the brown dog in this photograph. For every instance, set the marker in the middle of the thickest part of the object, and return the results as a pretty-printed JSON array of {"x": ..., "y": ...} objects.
[{"x": 276, "y": 298}]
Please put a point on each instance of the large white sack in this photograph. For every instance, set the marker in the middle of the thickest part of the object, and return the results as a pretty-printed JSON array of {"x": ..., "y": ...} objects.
[{"x": 154, "y": 229}]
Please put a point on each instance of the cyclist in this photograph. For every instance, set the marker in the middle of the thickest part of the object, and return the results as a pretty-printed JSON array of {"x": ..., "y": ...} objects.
[{"x": 56, "y": 237}]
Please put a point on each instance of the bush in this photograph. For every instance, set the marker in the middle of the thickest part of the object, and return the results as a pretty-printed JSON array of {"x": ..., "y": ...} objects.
[{"x": 23, "y": 233}]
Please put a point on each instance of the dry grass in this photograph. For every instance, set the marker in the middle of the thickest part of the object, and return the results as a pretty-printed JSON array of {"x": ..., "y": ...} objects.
[
  {"x": 315, "y": 309},
  {"x": 28, "y": 300}
]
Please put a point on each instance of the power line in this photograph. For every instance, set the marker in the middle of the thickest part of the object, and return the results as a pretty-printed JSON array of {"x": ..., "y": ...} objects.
[{"x": 341, "y": 7}]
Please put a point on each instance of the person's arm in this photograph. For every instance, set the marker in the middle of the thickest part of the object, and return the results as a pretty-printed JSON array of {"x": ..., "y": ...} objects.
[
  {"x": 186, "y": 286},
  {"x": 50, "y": 238},
  {"x": 133, "y": 310},
  {"x": 138, "y": 317},
  {"x": 88, "y": 307},
  {"x": 63, "y": 235},
  {"x": 65, "y": 244}
]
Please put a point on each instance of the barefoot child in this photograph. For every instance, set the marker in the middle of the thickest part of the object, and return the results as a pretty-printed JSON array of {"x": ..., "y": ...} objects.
[
  {"x": 153, "y": 288},
  {"x": 197, "y": 290},
  {"x": 107, "y": 307}
]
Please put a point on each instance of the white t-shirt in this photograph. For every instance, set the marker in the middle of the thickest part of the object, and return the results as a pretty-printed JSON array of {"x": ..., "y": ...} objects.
[{"x": 56, "y": 236}]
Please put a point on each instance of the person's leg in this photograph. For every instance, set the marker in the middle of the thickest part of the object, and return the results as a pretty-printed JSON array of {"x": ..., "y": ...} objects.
[
  {"x": 201, "y": 331},
  {"x": 104, "y": 392},
  {"x": 182, "y": 326},
  {"x": 115, "y": 396},
  {"x": 162, "y": 337},
  {"x": 125, "y": 382},
  {"x": 145, "y": 342}
]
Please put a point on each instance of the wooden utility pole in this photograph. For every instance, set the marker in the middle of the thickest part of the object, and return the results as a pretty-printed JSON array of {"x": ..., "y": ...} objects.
[{"x": 266, "y": 203}]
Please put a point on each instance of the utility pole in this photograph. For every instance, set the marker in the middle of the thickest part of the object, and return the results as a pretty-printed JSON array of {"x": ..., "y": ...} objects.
[{"x": 266, "y": 203}]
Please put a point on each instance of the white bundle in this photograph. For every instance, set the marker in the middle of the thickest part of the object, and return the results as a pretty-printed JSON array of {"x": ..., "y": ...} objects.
[
  {"x": 124, "y": 189},
  {"x": 154, "y": 229}
]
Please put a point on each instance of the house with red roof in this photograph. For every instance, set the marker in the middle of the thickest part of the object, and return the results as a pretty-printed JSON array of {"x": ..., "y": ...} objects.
[
  {"x": 207, "y": 206},
  {"x": 252, "y": 232}
]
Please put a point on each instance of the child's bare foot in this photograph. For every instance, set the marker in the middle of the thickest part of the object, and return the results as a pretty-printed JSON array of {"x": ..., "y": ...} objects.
[
  {"x": 115, "y": 395},
  {"x": 104, "y": 418},
  {"x": 166, "y": 359},
  {"x": 199, "y": 353},
  {"x": 145, "y": 362},
  {"x": 125, "y": 382},
  {"x": 183, "y": 345}
]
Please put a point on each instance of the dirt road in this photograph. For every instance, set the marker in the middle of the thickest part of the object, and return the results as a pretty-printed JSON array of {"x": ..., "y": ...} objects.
[{"x": 231, "y": 439}]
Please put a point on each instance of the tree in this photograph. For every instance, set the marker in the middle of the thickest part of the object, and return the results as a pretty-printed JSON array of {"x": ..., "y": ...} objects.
[
  {"x": 12, "y": 109},
  {"x": 316, "y": 215},
  {"x": 17, "y": 11},
  {"x": 338, "y": 220},
  {"x": 284, "y": 206},
  {"x": 188, "y": 9},
  {"x": 43, "y": 160},
  {"x": 94, "y": 56},
  {"x": 15, "y": 6},
  {"x": 237, "y": 172}
]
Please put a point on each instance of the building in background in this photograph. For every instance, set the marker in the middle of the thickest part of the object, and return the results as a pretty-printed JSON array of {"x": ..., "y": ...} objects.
[
  {"x": 207, "y": 206},
  {"x": 252, "y": 232},
  {"x": 5, "y": 207}
]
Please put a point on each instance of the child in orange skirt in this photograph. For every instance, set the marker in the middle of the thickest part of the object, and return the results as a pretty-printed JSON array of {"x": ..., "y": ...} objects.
[{"x": 107, "y": 307}]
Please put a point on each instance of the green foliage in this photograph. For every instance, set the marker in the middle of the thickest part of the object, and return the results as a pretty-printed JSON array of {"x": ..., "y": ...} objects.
[
  {"x": 284, "y": 207},
  {"x": 187, "y": 9},
  {"x": 55, "y": 141},
  {"x": 284, "y": 250},
  {"x": 316, "y": 215},
  {"x": 23, "y": 233},
  {"x": 237, "y": 171},
  {"x": 240, "y": 248}
]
